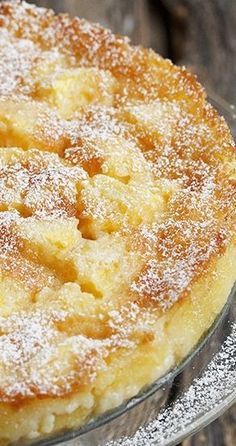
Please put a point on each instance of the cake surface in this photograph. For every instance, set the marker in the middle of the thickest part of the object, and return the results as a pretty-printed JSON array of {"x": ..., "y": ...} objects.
[{"x": 117, "y": 222}]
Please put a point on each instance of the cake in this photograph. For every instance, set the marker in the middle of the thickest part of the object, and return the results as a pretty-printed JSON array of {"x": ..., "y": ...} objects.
[{"x": 117, "y": 222}]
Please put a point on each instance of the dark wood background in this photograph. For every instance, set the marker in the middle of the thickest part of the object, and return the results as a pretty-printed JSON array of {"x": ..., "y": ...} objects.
[{"x": 200, "y": 34}]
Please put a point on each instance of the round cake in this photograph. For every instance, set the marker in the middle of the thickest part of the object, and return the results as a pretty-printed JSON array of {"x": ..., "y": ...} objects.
[{"x": 117, "y": 222}]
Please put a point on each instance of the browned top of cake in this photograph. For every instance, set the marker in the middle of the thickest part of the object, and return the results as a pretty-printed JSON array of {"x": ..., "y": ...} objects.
[{"x": 117, "y": 192}]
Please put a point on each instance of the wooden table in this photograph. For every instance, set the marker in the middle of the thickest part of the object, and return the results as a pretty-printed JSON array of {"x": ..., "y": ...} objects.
[{"x": 200, "y": 34}]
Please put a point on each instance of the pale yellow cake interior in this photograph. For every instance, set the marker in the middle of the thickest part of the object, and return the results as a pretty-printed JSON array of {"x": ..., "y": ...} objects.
[{"x": 117, "y": 222}]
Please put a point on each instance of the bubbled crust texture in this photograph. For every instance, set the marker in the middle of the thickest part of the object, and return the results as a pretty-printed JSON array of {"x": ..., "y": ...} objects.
[{"x": 117, "y": 200}]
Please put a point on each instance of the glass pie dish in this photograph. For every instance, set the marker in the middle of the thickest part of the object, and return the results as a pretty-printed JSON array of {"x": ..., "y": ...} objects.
[{"x": 182, "y": 402}]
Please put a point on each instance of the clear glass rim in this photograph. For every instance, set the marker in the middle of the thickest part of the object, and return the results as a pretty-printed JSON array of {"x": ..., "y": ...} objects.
[
  {"x": 60, "y": 438},
  {"x": 221, "y": 405}
]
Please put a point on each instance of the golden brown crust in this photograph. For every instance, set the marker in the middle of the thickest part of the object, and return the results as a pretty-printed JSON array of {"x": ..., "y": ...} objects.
[{"x": 118, "y": 200}]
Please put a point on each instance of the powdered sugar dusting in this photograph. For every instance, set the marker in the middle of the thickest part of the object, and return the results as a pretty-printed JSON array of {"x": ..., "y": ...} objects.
[
  {"x": 166, "y": 277},
  {"x": 202, "y": 398},
  {"x": 41, "y": 185},
  {"x": 16, "y": 62},
  {"x": 37, "y": 349}
]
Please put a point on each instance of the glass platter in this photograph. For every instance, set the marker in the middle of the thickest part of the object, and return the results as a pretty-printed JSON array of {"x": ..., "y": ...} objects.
[{"x": 185, "y": 400}]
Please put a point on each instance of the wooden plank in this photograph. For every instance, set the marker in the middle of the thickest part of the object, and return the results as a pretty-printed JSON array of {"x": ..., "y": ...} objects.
[{"x": 203, "y": 37}]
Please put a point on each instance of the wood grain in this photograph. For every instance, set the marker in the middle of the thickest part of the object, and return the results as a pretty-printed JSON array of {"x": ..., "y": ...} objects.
[
  {"x": 200, "y": 34},
  {"x": 204, "y": 38}
]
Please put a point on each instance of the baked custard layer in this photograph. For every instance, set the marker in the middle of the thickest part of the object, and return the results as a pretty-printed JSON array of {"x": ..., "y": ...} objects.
[{"x": 117, "y": 219}]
